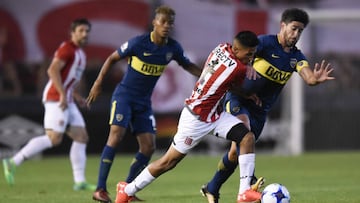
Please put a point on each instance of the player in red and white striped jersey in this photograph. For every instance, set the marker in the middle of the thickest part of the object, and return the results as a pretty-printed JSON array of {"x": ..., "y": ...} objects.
[
  {"x": 61, "y": 112},
  {"x": 222, "y": 70},
  {"x": 72, "y": 61},
  {"x": 202, "y": 115}
]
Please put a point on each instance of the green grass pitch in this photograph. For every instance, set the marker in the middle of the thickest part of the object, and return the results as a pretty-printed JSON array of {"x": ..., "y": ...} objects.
[{"x": 326, "y": 177}]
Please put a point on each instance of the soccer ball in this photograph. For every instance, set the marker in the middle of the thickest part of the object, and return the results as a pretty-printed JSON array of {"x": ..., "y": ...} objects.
[{"x": 275, "y": 193}]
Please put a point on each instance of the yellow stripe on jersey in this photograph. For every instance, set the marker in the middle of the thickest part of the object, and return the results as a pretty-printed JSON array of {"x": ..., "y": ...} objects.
[
  {"x": 112, "y": 112},
  {"x": 227, "y": 107},
  {"x": 146, "y": 68},
  {"x": 270, "y": 72}
]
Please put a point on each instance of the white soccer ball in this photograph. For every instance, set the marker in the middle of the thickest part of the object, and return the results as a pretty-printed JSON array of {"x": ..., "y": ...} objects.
[{"x": 275, "y": 193}]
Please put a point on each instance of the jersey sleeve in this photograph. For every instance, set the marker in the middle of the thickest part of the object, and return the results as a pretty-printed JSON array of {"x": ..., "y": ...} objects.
[
  {"x": 180, "y": 57},
  {"x": 64, "y": 52},
  {"x": 302, "y": 61},
  {"x": 127, "y": 48}
]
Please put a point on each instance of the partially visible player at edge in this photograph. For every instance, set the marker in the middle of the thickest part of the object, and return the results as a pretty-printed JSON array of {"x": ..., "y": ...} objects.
[
  {"x": 276, "y": 59},
  {"x": 61, "y": 112},
  {"x": 147, "y": 56},
  {"x": 224, "y": 69}
]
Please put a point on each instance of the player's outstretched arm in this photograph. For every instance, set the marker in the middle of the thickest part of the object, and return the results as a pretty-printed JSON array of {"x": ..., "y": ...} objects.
[
  {"x": 319, "y": 74},
  {"x": 96, "y": 88},
  {"x": 193, "y": 69}
]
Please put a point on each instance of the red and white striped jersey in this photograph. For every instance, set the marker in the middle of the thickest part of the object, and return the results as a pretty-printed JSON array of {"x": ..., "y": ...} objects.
[
  {"x": 75, "y": 62},
  {"x": 221, "y": 71}
]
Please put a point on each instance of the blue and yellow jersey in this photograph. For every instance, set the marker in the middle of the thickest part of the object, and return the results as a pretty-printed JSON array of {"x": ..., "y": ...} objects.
[
  {"x": 275, "y": 66},
  {"x": 146, "y": 62}
]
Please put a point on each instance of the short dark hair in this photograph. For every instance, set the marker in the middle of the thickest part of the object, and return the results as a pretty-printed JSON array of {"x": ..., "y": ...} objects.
[
  {"x": 295, "y": 14},
  {"x": 79, "y": 21},
  {"x": 163, "y": 9},
  {"x": 247, "y": 38}
]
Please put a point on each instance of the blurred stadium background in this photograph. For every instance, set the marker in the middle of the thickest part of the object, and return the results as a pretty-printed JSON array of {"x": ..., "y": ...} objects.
[{"x": 323, "y": 118}]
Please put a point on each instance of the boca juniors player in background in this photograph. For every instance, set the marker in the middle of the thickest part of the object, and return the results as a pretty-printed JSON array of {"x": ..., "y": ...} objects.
[{"x": 147, "y": 57}]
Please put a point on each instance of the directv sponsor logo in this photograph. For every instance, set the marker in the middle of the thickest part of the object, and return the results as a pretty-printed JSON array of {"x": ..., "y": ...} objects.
[{"x": 223, "y": 56}]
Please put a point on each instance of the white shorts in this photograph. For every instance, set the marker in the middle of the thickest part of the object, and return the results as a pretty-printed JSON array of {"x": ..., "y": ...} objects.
[
  {"x": 57, "y": 120},
  {"x": 191, "y": 130}
]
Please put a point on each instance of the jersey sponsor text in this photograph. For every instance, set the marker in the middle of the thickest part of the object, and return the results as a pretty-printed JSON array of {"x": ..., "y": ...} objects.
[{"x": 146, "y": 68}]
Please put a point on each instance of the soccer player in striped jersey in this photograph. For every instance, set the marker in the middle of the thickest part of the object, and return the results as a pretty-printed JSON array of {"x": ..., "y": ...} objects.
[
  {"x": 148, "y": 56},
  {"x": 224, "y": 69},
  {"x": 276, "y": 59},
  {"x": 61, "y": 112}
]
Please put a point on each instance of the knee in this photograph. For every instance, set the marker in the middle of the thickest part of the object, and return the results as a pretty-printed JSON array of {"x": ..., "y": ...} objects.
[
  {"x": 147, "y": 149},
  {"x": 247, "y": 144},
  {"x": 115, "y": 136},
  {"x": 78, "y": 134},
  {"x": 237, "y": 133},
  {"x": 248, "y": 140},
  {"x": 55, "y": 138},
  {"x": 146, "y": 143},
  {"x": 82, "y": 137}
]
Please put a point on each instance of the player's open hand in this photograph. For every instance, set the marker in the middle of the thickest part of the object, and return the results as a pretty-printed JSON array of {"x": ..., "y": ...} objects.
[
  {"x": 93, "y": 94},
  {"x": 63, "y": 104},
  {"x": 322, "y": 71}
]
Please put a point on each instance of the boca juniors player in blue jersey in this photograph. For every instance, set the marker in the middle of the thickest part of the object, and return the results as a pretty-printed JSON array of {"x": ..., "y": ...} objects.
[
  {"x": 276, "y": 59},
  {"x": 147, "y": 57}
]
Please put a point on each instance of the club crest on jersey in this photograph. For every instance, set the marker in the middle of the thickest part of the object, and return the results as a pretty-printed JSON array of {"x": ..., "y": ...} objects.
[
  {"x": 119, "y": 117},
  {"x": 61, "y": 122},
  {"x": 188, "y": 140},
  {"x": 213, "y": 63},
  {"x": 293, "y": 62},
  {"x": 236, "y": 109},
  {"x": 169, "y": 56}
]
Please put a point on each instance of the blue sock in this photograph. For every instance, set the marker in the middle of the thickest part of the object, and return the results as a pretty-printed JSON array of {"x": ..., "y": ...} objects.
[
  {"x": 139, "y": 163},
  {"x": 106, "y": 161},
  {"x": 225, "y": 169}
]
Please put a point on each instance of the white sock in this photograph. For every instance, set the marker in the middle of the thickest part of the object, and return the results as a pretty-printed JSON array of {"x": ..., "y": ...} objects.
[
  {"x": 247, "y": 167},
  {"x": 141, "y": 181},
  {"x": 34, "y": 146},
  {"x": 78, "y": 161}
]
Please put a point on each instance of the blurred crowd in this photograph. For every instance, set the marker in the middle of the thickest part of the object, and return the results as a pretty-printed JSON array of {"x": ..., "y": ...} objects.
[{"x": 19, "y": 78}]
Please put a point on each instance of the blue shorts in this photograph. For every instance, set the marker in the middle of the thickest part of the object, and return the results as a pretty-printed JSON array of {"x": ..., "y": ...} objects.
[
  {"x": 135, "y": 113},
  {"x": 233, "y": 105}
]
